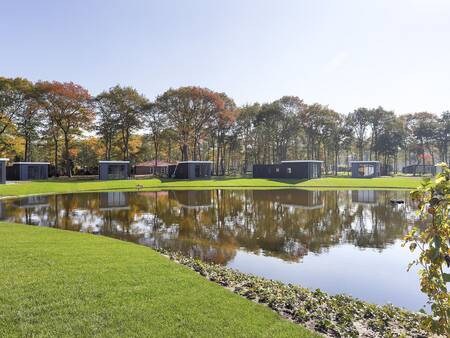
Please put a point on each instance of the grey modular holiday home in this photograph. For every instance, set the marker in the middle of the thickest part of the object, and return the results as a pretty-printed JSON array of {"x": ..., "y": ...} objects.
[
  {"x": 3, "y": 170},
  {"x": 299, "y": 169},
  {"x": 24, "y": 171},
  {"x": 365, "y": 169},
  {"x": 191, "y": 170},
  {"x": 113, "y": 170},
  {"x": 420, "y": 169}
]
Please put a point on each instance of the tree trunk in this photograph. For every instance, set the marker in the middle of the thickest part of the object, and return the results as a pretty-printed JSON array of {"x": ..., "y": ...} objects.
[{"x": 67, "y": 155}]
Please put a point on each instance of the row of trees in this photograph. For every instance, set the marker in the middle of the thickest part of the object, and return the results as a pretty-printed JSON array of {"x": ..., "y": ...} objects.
[{"x": 63, "y": 123}]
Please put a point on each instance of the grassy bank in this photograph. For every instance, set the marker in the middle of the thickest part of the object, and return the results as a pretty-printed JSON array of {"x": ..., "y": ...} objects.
[
  {"x": 62, "y": 283},
  {"x": 64, "y": 185}
]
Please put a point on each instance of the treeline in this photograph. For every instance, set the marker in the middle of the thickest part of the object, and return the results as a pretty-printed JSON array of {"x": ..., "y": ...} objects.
[{"x": 62, "y": 123}]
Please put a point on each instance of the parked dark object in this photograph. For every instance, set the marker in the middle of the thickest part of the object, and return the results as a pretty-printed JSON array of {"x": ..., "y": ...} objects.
[
  {"x": 419, "y": 169},
  {"x": 24, "y": 171},
  {"x": 301, "y": 169},
  {"x": 365, "y": 169},
  {"x": 114, "y": 170},
  {"x": 191, "y": 170},
  {"x": 3, "y": 170}
]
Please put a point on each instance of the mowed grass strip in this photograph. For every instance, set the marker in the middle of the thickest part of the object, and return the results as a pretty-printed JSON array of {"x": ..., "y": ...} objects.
[
  {"x": 58, "y": 283},
  {"x": 66, "y": 186}
]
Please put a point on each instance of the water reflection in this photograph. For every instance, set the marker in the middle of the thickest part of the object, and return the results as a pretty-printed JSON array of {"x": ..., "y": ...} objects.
[{"x": 232, "y": 227}]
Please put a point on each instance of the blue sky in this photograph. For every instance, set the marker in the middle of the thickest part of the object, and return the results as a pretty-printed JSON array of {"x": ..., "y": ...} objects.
[{"x": 346, "y": 53}]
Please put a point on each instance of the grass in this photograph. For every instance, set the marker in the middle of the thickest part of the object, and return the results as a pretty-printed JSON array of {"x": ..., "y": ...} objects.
[
  {"x": 65, "y": 185},
  {"x": 57, "y": 283}
]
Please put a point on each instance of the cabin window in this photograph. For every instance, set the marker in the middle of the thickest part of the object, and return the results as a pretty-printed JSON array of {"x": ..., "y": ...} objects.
[
  {"x": 315, "y": 170},
  {"x": 289, "y": 170},
  {"x": 366, "y": 169},
  {"x": 277, "y": 169},
  {"x": 197, "y": 170}
]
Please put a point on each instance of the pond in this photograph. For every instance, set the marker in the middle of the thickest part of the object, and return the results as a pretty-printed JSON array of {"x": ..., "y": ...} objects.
[{"x": 339, "y": 241}]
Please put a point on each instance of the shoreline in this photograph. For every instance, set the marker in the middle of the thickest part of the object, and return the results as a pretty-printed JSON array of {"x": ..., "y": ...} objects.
[{"x": 329, "y": 315}]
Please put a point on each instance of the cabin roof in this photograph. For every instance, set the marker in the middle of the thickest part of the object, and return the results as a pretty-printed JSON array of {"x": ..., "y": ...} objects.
[
  {"x": 114, "y": 162},
  {"x": 302, "y": 161},
  {"x": 368, "y": 162},
  {"x": 31, "y": 162}
]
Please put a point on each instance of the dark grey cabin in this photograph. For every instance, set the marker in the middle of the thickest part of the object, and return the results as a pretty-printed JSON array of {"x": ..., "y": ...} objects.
[
  {"x": 365, "y": 169},
  {"x": 191, "y": 170},
  {"x": 300, "y": 169},
  {"x": 420, "y": 169},
  {"x": 113, "y": 170},
  {"x": 24, "y": 171},
  {"x": 3, "y": 170}
]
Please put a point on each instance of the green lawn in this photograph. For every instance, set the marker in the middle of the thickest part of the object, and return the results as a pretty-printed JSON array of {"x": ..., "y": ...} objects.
[
  {"x": 64, "y": 185},
  {"x": 58, "y": 283}
]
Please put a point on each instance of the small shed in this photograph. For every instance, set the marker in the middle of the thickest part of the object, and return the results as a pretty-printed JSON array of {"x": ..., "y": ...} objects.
[
  {"x": 152, "y": 168},
  {"x": 3, "y": 170},
  {"x": 113, "y": 170},
  {"x": 191, "y": 170},
  {"x": 24, "y": 171},
  {"x": 297, "y": 169},
  {"x": 365, "y": 169}
]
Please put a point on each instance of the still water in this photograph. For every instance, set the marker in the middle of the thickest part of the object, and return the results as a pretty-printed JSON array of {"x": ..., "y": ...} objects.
[{"x": 338, "y": 241}]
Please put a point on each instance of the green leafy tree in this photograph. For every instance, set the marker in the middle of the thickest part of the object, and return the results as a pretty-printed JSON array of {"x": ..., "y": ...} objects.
[
  {"x": 360, "y": 121},
  {"x": 433, "y": 244}
]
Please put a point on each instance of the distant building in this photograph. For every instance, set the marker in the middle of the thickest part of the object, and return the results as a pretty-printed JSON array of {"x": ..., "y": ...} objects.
[
  {"x": 3, "y": 170},
  {"x": 152, "y": 168},
  {"x": 24, "y": 171},
  {"x": 191, "y": 170},
  {"x": 113, "y": 170},
  {"x": 298, "y": 169},
  {"x": 420, "y": 169},
  {"x": 365, "y": 169}
]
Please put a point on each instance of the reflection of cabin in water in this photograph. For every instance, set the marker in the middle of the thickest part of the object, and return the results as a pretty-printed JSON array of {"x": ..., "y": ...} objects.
[
  {"x": 365, "y": 196},
  {"x": 113, "y": 170},
  {"x": 365, "y": 169},
  {"x": 114, "y": 200},
  {"x": 32, "y": 202},
  {"x": 24, "y": 171},
  {"x": 192, "y": 199},
  {"x": 303, "y": 199},
  {"x": 191, "y": 170},
  {"x": 3, "y": 170},
  {"x": 300, "y": 169}
]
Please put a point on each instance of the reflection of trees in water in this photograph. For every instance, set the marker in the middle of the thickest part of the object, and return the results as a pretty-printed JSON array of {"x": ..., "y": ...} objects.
[{"x": 213, "y": 224}]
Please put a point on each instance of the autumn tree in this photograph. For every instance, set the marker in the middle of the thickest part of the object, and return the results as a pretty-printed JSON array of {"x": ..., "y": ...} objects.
[
  {"x": 189, "y": 111},
  {"x": 69, "y": 107},
  {"x": 156, "y": 122},
  {"x": 127, "y": 113},
  {"x": 443, "y": 135},
  {"x": 30, "y": 118},
  {"x": 14, "y": 99},
  {"x": 221, "y": 128},
  {"x": 106, "y": 125},
  {"x": 423, "y": 127},
  {"x": 359, "y": 120},
  {"x": 245, "y": 124}
]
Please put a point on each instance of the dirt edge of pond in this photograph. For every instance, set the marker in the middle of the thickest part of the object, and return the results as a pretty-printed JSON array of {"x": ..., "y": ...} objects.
[{"x": 333, "y": 316}]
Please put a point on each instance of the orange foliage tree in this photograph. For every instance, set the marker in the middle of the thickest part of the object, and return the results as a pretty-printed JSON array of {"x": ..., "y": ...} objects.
[{"x": 69, "y": 107}]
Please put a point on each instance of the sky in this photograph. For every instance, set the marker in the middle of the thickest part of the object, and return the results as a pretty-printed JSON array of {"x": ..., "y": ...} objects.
[{"x": 342, "y": 53}]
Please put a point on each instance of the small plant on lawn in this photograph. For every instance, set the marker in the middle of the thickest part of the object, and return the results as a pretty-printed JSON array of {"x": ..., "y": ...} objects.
[{"x": 433, "y": 242}]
